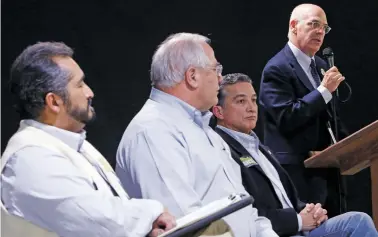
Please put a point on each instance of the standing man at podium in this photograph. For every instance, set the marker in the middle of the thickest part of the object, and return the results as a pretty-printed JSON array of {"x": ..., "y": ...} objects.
[{"x": 295, "y": 95}]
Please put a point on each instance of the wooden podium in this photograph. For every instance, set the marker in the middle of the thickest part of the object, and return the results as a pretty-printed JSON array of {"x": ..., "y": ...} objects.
[{"x": 353, "y": 154}]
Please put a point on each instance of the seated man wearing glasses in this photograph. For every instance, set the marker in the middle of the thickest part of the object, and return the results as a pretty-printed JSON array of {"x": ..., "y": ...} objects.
[
  {"x": 169, "y": 152},
  {"x": 295, "y": 102}
]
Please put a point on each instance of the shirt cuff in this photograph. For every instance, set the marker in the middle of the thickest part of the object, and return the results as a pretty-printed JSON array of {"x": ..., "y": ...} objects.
[
  {"x": 152, "y": 208},
  {"x": 299, "y": 222},
  {"x": 327, "y": 96},
  {"x": 267, "y": 233}
]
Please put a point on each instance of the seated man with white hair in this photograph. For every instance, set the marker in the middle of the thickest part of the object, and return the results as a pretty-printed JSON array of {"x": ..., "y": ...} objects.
[{"x": 168, "y": 151}]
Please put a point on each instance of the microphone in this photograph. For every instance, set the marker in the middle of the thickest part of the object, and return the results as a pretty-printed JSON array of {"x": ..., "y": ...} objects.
[{"x": 328, "y": 54}]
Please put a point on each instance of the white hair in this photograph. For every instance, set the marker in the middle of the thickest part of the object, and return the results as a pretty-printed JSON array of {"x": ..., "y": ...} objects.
[{"x": 175, "y": 55}]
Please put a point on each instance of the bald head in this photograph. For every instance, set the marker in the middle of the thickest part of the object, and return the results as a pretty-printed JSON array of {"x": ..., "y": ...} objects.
[
  {"x": 304, "y": 11},
  {"x": 307, "y": 28}
]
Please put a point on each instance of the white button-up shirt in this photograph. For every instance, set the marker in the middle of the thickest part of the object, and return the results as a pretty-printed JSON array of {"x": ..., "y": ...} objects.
[{"x": 169, "y": 153}]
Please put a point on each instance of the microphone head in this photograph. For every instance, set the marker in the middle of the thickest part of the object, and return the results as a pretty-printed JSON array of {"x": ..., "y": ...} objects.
[{"x": 327, "y": 52}]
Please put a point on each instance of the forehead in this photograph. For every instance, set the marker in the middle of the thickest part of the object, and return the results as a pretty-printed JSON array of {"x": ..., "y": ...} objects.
[
  {"x": 68, "y": 64},
  {"x": 209, "y": 52},
  {"x": 315, "y": 13},
  {"x": 240, "y": 88}
]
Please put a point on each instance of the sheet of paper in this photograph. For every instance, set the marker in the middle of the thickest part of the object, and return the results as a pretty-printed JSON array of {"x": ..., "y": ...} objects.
[{"x": 203, "y": 212}]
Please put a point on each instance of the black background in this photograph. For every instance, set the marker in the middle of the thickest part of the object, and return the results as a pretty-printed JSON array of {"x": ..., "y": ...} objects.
[{"x": 114, "y": 42}]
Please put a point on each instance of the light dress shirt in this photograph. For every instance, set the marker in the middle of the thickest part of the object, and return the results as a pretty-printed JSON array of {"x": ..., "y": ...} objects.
[
  {"x": 251, "y": 143},
  {"x": 305, "y": 61},
  {"x": 169, "y": 153},
  {"x": 47, "y": 189}
]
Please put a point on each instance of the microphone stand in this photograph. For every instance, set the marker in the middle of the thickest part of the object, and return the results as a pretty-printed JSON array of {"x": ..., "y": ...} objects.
[
  {"x": 328, "y": 53},
  {"x": 341, "y": 180},
  {"x": 334, "y": 105}
]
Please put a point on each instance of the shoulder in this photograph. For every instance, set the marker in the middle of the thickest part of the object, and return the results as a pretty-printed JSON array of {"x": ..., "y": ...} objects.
[
  {"x": 277, "y": 67},
  {"x": 151, "y": 127},
  {"x": 31, "y": 155},
  {"x": 279, "y": 59},
  {"x": 32, "y": 165},
  {"x": 152, "y": 117}
]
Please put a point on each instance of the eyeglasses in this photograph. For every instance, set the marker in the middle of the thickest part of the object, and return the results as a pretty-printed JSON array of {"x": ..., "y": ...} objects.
[
  {"x": 316, "y": 25},
  {"x": 218, "y": 68}
]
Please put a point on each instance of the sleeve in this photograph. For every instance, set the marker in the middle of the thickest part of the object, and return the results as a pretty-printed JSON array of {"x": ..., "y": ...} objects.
[
  {"x": 278, "y": 98},
  {"x": 264, "y": 227},
  {"x": 284, "y": 221},
  {"x": 157, "y": 160},
  {"x": 327, "y": 96},
  {"x": 299, "y": 222},
  {"x": 48, "y": 190}
]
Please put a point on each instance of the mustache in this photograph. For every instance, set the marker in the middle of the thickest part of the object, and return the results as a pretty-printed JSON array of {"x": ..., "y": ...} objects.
[{"x": 89, "y": 106}]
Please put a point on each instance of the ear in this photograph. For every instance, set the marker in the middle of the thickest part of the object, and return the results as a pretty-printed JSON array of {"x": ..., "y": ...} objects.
[
  {"x": 218, "y": 112},
  {"x": 53, "y": 102},
  {"x": 192, "y": 77},
  {"x": 293, "y": 26}
]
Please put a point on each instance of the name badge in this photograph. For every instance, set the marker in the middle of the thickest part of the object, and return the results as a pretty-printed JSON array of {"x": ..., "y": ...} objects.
[{"x": 248, "y": 161}]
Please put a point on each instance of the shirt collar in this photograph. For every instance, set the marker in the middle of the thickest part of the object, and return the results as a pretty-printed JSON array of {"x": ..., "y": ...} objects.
[
  {"x": 303, "y": 59},
  {"x": 73, "y": 140},
  {"x": 245, "y": 139},
  {"x": 200, "y": 118}
]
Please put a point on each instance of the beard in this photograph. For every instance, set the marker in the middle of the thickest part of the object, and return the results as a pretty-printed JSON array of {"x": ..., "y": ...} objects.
[{"x": 84, "y": 116}]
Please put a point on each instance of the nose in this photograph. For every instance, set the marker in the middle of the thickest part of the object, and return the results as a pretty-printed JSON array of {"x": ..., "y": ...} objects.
[
  {"x": 320, "y": 30},
  {"x": 252, "y": 106},
  {"x": 220, "y": 78},
  {"x": 89, "y": 93}
]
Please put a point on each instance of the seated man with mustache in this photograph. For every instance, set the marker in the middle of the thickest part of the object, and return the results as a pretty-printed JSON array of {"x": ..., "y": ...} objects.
[
  {"x": 52, "y": 179},
  {"x": 274, "y": 193}
]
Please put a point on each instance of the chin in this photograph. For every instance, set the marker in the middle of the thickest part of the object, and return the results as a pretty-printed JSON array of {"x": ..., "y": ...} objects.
[
  {"x": 253, "y": 126},
  {"x": 215, "y": 101}
]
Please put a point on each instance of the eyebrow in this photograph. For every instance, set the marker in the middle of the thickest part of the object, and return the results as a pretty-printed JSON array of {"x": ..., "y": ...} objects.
[
  {"x": 319, "y": 22},
  {"x": 243, "y": 95},
  {"x": 81, "y": 79},
  {"x": 238, "y": 96},
  {"x": 216, "y": 64}
]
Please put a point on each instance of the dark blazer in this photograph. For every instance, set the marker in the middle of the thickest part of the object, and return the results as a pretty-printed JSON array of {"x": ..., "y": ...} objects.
[
  {"x": 258, "y": 185},
  {"x": 295, "y": 114}
]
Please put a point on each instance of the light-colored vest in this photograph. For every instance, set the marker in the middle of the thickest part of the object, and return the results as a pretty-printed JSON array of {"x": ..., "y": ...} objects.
[{"x": 14, "y": 226}]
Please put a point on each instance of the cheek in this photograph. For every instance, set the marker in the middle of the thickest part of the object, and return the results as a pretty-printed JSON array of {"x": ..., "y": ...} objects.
[
  {"x": 79, "y": 99},
  {"x": 212, "y": 80}
]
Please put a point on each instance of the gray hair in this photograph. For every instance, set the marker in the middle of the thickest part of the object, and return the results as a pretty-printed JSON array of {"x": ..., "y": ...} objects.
[
  {"x": 230, "y": 79},
  {"x": 34, "y": 74},
  {"x": 175, "y": 55}
]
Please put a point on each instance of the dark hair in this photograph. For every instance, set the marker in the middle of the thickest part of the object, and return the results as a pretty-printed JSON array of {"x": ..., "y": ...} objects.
[
  {"x": 34, "y": 74},
  {"x": 230, "y": 79}
]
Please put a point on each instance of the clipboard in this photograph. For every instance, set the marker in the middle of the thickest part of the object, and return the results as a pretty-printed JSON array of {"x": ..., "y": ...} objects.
[{"x": 237, "y": 202}]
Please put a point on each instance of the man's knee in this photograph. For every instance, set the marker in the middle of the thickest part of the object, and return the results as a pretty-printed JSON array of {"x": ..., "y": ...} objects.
[
  {"x": 357, "y": 221},
  {"x": 360, "y": 216}
]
